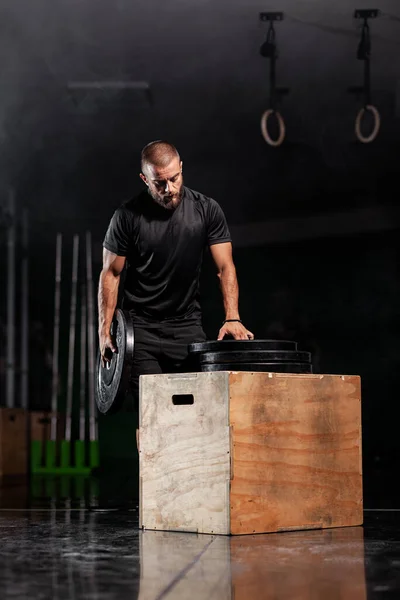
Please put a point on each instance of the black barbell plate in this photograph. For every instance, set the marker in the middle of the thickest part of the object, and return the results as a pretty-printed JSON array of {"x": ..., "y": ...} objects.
[
  {"x": 299, "y": 367},
  {"x": 241, "y": 345},
  {"x": 262, "y": 356},
  {"x": 112, "y": 381}
]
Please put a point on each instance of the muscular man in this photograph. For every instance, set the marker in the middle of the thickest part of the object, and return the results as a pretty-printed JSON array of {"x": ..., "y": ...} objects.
[{"x": 159, "y": 237}]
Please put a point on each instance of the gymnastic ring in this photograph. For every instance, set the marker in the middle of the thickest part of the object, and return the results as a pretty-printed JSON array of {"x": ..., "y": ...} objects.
[
  {"x": 375, "y": 131},
  {"x": 264, "y": 127}
]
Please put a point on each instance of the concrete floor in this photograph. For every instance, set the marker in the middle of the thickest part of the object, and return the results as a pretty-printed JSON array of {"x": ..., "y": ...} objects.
[{"x": 64, "y": 540}]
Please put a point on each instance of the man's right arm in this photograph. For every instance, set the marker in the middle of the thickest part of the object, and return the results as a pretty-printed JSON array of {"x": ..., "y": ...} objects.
[{"x": 108, "y": 294}]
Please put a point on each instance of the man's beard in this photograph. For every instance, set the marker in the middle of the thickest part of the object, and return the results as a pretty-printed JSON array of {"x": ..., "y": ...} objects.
[{"x": 168, "y": 202}]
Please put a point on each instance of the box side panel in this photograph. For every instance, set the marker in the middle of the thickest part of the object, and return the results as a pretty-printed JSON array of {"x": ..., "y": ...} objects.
[
  {"x": 13, "y": 441},
  {"x": 184, "y": 452},
  {"x": 296, "y": 451}
]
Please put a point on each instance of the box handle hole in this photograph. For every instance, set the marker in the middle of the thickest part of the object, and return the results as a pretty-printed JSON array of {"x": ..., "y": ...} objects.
[{"x": 182, "y": 399}]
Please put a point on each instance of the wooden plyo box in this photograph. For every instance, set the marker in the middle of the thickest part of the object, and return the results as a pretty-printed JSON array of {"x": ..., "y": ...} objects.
[
  {"x": 40, "y": 425},
  {"x": 13, "y": 441},
  {"x": 242, "y": 452}
]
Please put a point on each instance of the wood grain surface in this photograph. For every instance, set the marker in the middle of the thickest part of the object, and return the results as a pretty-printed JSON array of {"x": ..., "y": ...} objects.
[
  {"x": 296, "y": 451},
  {"x": 13, "y": 441},
  {"x": 184, "y": 453}
]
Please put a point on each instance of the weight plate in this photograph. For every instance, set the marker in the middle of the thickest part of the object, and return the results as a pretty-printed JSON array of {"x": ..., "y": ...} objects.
[
  {"x": 262, "y": 356},
  {"x": 112, "y": 381},
  {"x": 242, "y": 345},
  {"x": 268, "y": 367}
]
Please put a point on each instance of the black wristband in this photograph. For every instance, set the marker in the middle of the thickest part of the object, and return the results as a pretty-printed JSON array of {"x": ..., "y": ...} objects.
[{"x": 231, "y": 321}]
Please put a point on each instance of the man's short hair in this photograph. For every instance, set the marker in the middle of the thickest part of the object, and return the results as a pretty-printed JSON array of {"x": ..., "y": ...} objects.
[{"x": 158, "y": 153}]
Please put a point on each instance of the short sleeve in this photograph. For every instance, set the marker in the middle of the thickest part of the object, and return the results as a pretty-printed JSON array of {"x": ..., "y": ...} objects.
[
  {"x": 119, "y": 233},
  {"x": 217, "y": 227}
]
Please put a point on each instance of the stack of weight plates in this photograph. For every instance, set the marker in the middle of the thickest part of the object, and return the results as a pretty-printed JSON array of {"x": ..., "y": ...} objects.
[{"x": 279, "y": 356}]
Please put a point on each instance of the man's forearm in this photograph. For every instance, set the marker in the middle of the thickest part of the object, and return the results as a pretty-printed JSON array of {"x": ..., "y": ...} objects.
[
  {"x": 230, "y": 292},
  {"x": 107, "y": 298}
]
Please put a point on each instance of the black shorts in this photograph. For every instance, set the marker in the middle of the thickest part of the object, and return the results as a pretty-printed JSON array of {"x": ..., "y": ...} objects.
[{"x": 162, "y": 349}]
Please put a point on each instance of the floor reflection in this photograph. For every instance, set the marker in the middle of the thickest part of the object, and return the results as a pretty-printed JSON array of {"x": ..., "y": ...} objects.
[
  {"x": 326, "y": 564},
  {"x": 66, "y": 491},
  {"x": 84, "y": 553}
]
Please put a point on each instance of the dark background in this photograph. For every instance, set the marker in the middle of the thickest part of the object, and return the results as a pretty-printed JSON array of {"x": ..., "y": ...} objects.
[{"x": 314, "y": 222}]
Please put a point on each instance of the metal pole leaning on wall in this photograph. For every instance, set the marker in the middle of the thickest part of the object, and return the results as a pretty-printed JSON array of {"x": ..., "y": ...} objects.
[
  {"x": 10, "y": 372},
  {"x": 66, "y": 444},
  {"x": 14, "y": 416},
  {"x": 80, "y": 455},
  {"x": 43, "y": 458},
  {"x": 93, "y": 433},
  {"x": 56, "y": 340},
  {"x": 269, "y": 50},
  {"x": 25, "y": 311},
  {"x": 364, "y": 54},
  {"x": 72, "y": 458}
]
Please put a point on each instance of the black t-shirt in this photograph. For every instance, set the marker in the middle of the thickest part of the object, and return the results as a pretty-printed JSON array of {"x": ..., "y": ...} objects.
[{"x": 164, "y": 252}]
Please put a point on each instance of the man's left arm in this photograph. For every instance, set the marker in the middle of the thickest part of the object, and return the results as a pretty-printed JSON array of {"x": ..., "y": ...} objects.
[{"x": 222, "y": 255}]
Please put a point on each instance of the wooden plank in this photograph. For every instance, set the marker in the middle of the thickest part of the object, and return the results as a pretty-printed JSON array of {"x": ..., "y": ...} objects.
[
  {"x": 297, "y": 451},
  {"x": 13, "y": 441},
  {"x": 184, "y": 453}
]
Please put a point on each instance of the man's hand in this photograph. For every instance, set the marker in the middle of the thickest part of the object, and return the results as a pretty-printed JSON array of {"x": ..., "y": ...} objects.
[
  {"x": 107, "y": 347},
  {"x": 237, "y": 330}
]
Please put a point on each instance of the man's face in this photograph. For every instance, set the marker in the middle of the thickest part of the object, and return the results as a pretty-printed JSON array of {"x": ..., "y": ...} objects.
[{"x": 165, "y": 183}]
